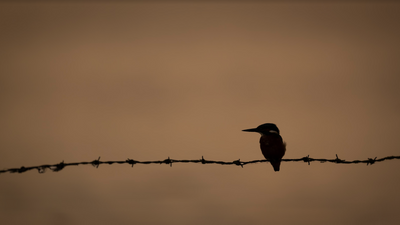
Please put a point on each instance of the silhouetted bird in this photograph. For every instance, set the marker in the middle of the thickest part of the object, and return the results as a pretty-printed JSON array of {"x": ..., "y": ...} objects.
[{"x": 272, "y": 146}]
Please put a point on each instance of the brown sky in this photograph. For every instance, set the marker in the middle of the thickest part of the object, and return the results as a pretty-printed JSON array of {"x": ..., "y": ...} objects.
[{"x": 148, "y": 81}]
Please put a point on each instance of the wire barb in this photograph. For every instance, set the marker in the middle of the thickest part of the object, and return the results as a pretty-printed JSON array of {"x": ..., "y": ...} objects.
[
  {"x": 371, "y": 161},
  {"x": 337, "y": 160},
  {"x": 131, "y": 161},
  {"x": 238, "y": 163},
  {"x": 306, "y": 159},
  {"x": 203, "y": 161},
  {"x": 97, "y": 162},
  {"x": 168, "y": 161},
  {"x": 59, "y": 166}
]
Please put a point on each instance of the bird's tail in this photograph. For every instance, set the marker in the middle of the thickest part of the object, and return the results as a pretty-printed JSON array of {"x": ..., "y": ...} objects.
[{"x": 276, "y": 165}]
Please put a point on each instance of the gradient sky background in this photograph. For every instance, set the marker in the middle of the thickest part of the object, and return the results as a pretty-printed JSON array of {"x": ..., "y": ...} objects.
[{"x": 151, "y": 81}]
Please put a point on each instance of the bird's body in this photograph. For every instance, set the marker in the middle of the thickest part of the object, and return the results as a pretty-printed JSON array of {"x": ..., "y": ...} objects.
[{"x": 271, "y": 143}]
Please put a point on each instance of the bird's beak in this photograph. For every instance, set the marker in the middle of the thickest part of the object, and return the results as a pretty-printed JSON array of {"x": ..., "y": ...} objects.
[{"x": 251, "y": 130}]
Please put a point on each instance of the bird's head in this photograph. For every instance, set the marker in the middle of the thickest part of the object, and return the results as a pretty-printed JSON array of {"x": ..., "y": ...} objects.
[{"x": 264, "y": 129}]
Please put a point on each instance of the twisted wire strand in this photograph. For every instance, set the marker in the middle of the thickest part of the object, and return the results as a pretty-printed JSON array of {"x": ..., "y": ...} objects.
[{"x": 96, "y": 163}]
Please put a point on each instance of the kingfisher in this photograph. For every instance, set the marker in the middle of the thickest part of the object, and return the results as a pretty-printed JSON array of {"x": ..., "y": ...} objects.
[{"x": 271, "y": 143}]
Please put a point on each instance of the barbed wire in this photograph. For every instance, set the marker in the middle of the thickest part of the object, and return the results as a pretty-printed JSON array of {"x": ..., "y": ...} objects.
[{"x": 96, "y": 163}]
